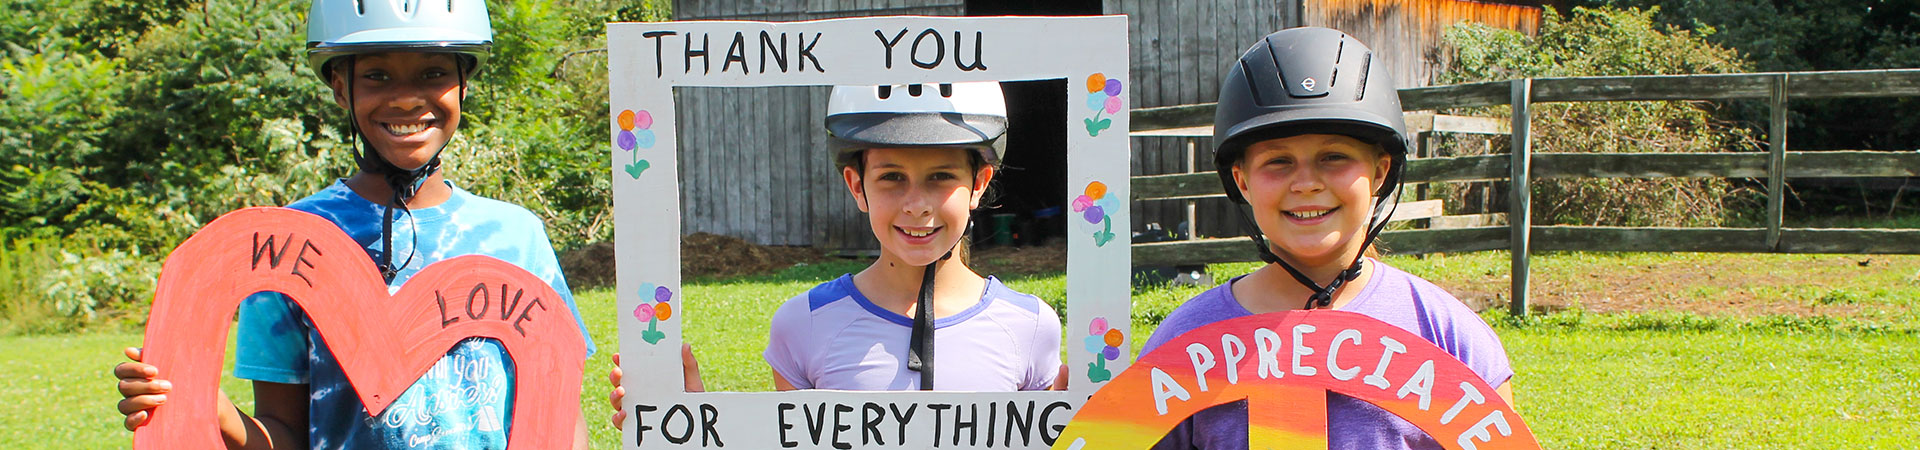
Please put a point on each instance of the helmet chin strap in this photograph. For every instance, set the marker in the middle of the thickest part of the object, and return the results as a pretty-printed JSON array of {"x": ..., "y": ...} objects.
[
  {"x": 1322, "y": 295},
  {"x": 920, "y": 344},
  {"x": 404, "y": 183}
]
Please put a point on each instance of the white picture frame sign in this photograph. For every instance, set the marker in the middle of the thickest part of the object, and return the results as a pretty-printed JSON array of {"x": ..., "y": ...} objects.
[{"x": 648, "y": 60}]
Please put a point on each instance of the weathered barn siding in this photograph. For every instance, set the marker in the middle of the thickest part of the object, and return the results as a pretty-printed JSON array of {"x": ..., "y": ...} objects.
[
  {"x": 1407, "y": 32},
  {"x": 772, "y": 181}
]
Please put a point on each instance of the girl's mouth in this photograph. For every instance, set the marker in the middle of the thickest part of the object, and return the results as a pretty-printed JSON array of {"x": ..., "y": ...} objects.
[
  {"x": 1309, "y": 215},
  {"x": 918, "y": 235},
  {"x": 407, "y": 129}
]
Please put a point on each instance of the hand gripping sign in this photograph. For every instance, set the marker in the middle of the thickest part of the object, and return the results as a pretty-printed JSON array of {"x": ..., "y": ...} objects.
[
  {"x": 648, "y": 61},
  {"x": 383, "y": 342},
  {"x": 1283, "y": 364}
]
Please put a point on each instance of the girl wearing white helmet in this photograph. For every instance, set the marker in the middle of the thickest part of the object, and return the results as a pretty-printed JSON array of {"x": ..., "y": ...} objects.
[
  {"x": 917, "y": 159},
  {"x": 1310, "y": 137},
  {"x": 399, "y": 68}
]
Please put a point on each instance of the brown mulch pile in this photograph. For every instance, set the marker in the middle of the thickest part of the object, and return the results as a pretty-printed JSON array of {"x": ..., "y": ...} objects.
[{"x": 702, "y": 255}]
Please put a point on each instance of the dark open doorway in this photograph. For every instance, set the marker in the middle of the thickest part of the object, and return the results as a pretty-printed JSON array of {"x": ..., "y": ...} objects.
[{"x": 1032, "y": 185}]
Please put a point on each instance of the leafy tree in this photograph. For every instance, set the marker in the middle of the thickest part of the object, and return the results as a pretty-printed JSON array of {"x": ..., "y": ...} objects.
[
  {"x": 1803, "y": 35},
  {"x": 1602, "y": 42}
]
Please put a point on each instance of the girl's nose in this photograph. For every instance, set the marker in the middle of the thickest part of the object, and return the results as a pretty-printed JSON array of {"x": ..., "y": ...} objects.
[
  {"x": 1307, "y": 180},
  {"x": 407, "y": 102},
  {"x": 917, "y": 204}
]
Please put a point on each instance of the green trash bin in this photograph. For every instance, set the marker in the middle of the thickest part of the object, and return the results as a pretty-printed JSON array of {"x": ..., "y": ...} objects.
[{"x": 1003, "y": 229}]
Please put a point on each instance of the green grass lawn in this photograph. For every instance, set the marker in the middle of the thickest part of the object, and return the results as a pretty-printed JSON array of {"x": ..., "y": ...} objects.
[{"x": 1585, "y": 379}]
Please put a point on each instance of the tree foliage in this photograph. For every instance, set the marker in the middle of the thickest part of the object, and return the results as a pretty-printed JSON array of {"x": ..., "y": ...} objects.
[
  {"x": 1604, "y": 42},
  {"x": 126, "y": 124}
]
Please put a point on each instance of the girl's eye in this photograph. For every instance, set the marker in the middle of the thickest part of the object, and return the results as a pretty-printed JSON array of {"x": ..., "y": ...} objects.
[
  {"x": 944, "y": 176},
  {"x": 893, "y": 176},
  {"x": 434, "y": 73},
  {"x": 1335, "y": 157},
  {"x": 375, "y": 75}
]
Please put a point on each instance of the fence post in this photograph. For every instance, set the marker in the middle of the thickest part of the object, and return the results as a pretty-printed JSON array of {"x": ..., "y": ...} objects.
[
  {"x": 1777, "y": 162},
  {"x": 1193, "y": 214},
  {"x": 1520, "y": 209}
]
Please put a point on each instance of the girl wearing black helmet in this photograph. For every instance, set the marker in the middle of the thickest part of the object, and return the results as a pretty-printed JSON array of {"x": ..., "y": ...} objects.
[
  {"x": 399, "y": 68},
  {"x": 1309, "y": 138},
  {"x": 917, "y": 159}
]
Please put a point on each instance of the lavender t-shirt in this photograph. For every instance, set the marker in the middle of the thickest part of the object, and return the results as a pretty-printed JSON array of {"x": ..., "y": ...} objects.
[
  {"x": 1390, "y": 296},
  {"x": 832, "y": 337}
]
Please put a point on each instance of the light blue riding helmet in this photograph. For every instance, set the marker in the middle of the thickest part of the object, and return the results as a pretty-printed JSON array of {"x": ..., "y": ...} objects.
[{"x": 346, "y": 27}]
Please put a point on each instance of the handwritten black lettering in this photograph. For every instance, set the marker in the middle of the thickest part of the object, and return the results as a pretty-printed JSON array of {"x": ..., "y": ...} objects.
[
  {"x": 736, "y": 51},
  {"x": 888, "y": 44},
  {"x": 871, "y": 415},
  {"x": 526, "y": 315},
  {"x": 978, "y": 42},
  {"x": 709, "y": 418},
  {"x": 939, "y": 48},
  {"x": 1047, "y": 412},
  {"x": 781, "y": 413},
  {"x": 779, "y": 54},
  {"x": 806, "y": 54},
  {"x": 479, "y": 292},
  {"x": 639, "y": 420},
  {"x": 706, "y": 64},
  {"x": 442, "y": 301},
  {"x": 659, "y": 50}
]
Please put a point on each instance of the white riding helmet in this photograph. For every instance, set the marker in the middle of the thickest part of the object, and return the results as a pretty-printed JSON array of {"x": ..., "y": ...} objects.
[
  {"x": 966, "y": 115},
  {"x": 345, "y": 27}
]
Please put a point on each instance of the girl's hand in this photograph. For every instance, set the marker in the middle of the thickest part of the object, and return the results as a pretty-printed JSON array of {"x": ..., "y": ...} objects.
[
  {"x": 1060, "y": 381},
  {"x": 142, "y": 391},
  {"x": 618, "y": 395}
]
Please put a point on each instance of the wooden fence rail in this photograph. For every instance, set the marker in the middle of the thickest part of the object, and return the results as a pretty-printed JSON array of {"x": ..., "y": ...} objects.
[{"x": 1521, "y": 165}]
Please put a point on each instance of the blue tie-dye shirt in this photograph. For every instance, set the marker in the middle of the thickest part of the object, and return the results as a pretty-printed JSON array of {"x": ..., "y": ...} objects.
[{"x": 466, "y": 400}]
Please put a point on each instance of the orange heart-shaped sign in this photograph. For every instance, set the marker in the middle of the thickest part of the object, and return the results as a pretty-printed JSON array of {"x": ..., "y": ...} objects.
[{"x": 383, "y": 342}]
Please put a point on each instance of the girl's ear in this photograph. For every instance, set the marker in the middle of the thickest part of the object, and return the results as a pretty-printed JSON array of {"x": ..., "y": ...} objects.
[
  {"x": 1381, "y": 168},
  {"x": 854, "y": 186},
  {"x": 980, "y": 180},
  {"x": 339, "y": 85},
  {"x": 1239, "y": 180}
]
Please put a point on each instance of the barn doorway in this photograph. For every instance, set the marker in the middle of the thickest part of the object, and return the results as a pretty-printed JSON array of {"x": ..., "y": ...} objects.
[{"x": 1030, "y": 206}]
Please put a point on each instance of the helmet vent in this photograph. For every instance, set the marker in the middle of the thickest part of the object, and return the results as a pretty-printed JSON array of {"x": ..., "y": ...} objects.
[
  {"x": 1366, "y": 66},
  {"x": 886, "y": 91},
  {"x": 914, "y": 90},
  {"x": 360, "y": 7}
]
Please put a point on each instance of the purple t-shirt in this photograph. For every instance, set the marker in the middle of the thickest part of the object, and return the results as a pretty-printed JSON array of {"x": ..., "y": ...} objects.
[
  {"x": 832, "y": 337},
  {"x": 1390, "y": 296}
]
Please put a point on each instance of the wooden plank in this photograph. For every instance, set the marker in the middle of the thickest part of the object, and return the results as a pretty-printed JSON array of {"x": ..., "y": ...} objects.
[
  {"x": 1468, "y": 95},
  {"x": 1240, "y": 249},
  {"x": 1459, "y": 168},
  {"x": 1176, "y": 186},
  {"x": 1650, "y": 87},
  {"x": 1855, "y": 83},
  {"x": 1849, "y": 164},
  {"x": 1447, "y": 123},
  {"x": 1470, "y": 221},
  {"x": 1649, "y": 165},
  {"x": 1422, "y": 209},
  {"x": 1850, "y": 241}
]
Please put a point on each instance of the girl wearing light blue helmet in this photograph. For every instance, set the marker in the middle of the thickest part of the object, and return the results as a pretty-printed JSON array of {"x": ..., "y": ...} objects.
[{"x": 399, "y": 68}]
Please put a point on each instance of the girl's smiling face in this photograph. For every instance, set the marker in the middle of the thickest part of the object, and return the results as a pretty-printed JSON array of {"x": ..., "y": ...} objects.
[
  {"x": 917, "y": 200},
  {"x": 1312, "y": 194},
  {"x": 407, "y": 104}
]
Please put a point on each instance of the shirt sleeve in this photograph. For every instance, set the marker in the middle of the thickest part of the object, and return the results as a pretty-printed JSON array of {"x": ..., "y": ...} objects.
[
  {"x": 1044, "y": 367},
  {"x": 272, "y": 340},
  {"x": 1468, "y": 337},
  {"x": 787, "y": 341}
]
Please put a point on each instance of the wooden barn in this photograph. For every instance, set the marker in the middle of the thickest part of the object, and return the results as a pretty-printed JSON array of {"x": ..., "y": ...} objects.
[{"x": 771, "y": 181}]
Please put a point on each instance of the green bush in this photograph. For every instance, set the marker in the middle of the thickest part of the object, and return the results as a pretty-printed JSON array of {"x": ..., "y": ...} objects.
[{"x": 1609, "y": 42}]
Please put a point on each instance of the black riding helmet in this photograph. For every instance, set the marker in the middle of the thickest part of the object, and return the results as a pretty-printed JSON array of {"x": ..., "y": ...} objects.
[{"x": 1309, "y": 80}]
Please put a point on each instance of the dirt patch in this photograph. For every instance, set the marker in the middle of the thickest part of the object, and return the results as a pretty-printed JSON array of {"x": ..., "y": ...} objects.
[
  {"x": 1729, "y": 285},
  {"x": 702, "y": 255},
  {"x": 1009, "y": 261}
]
